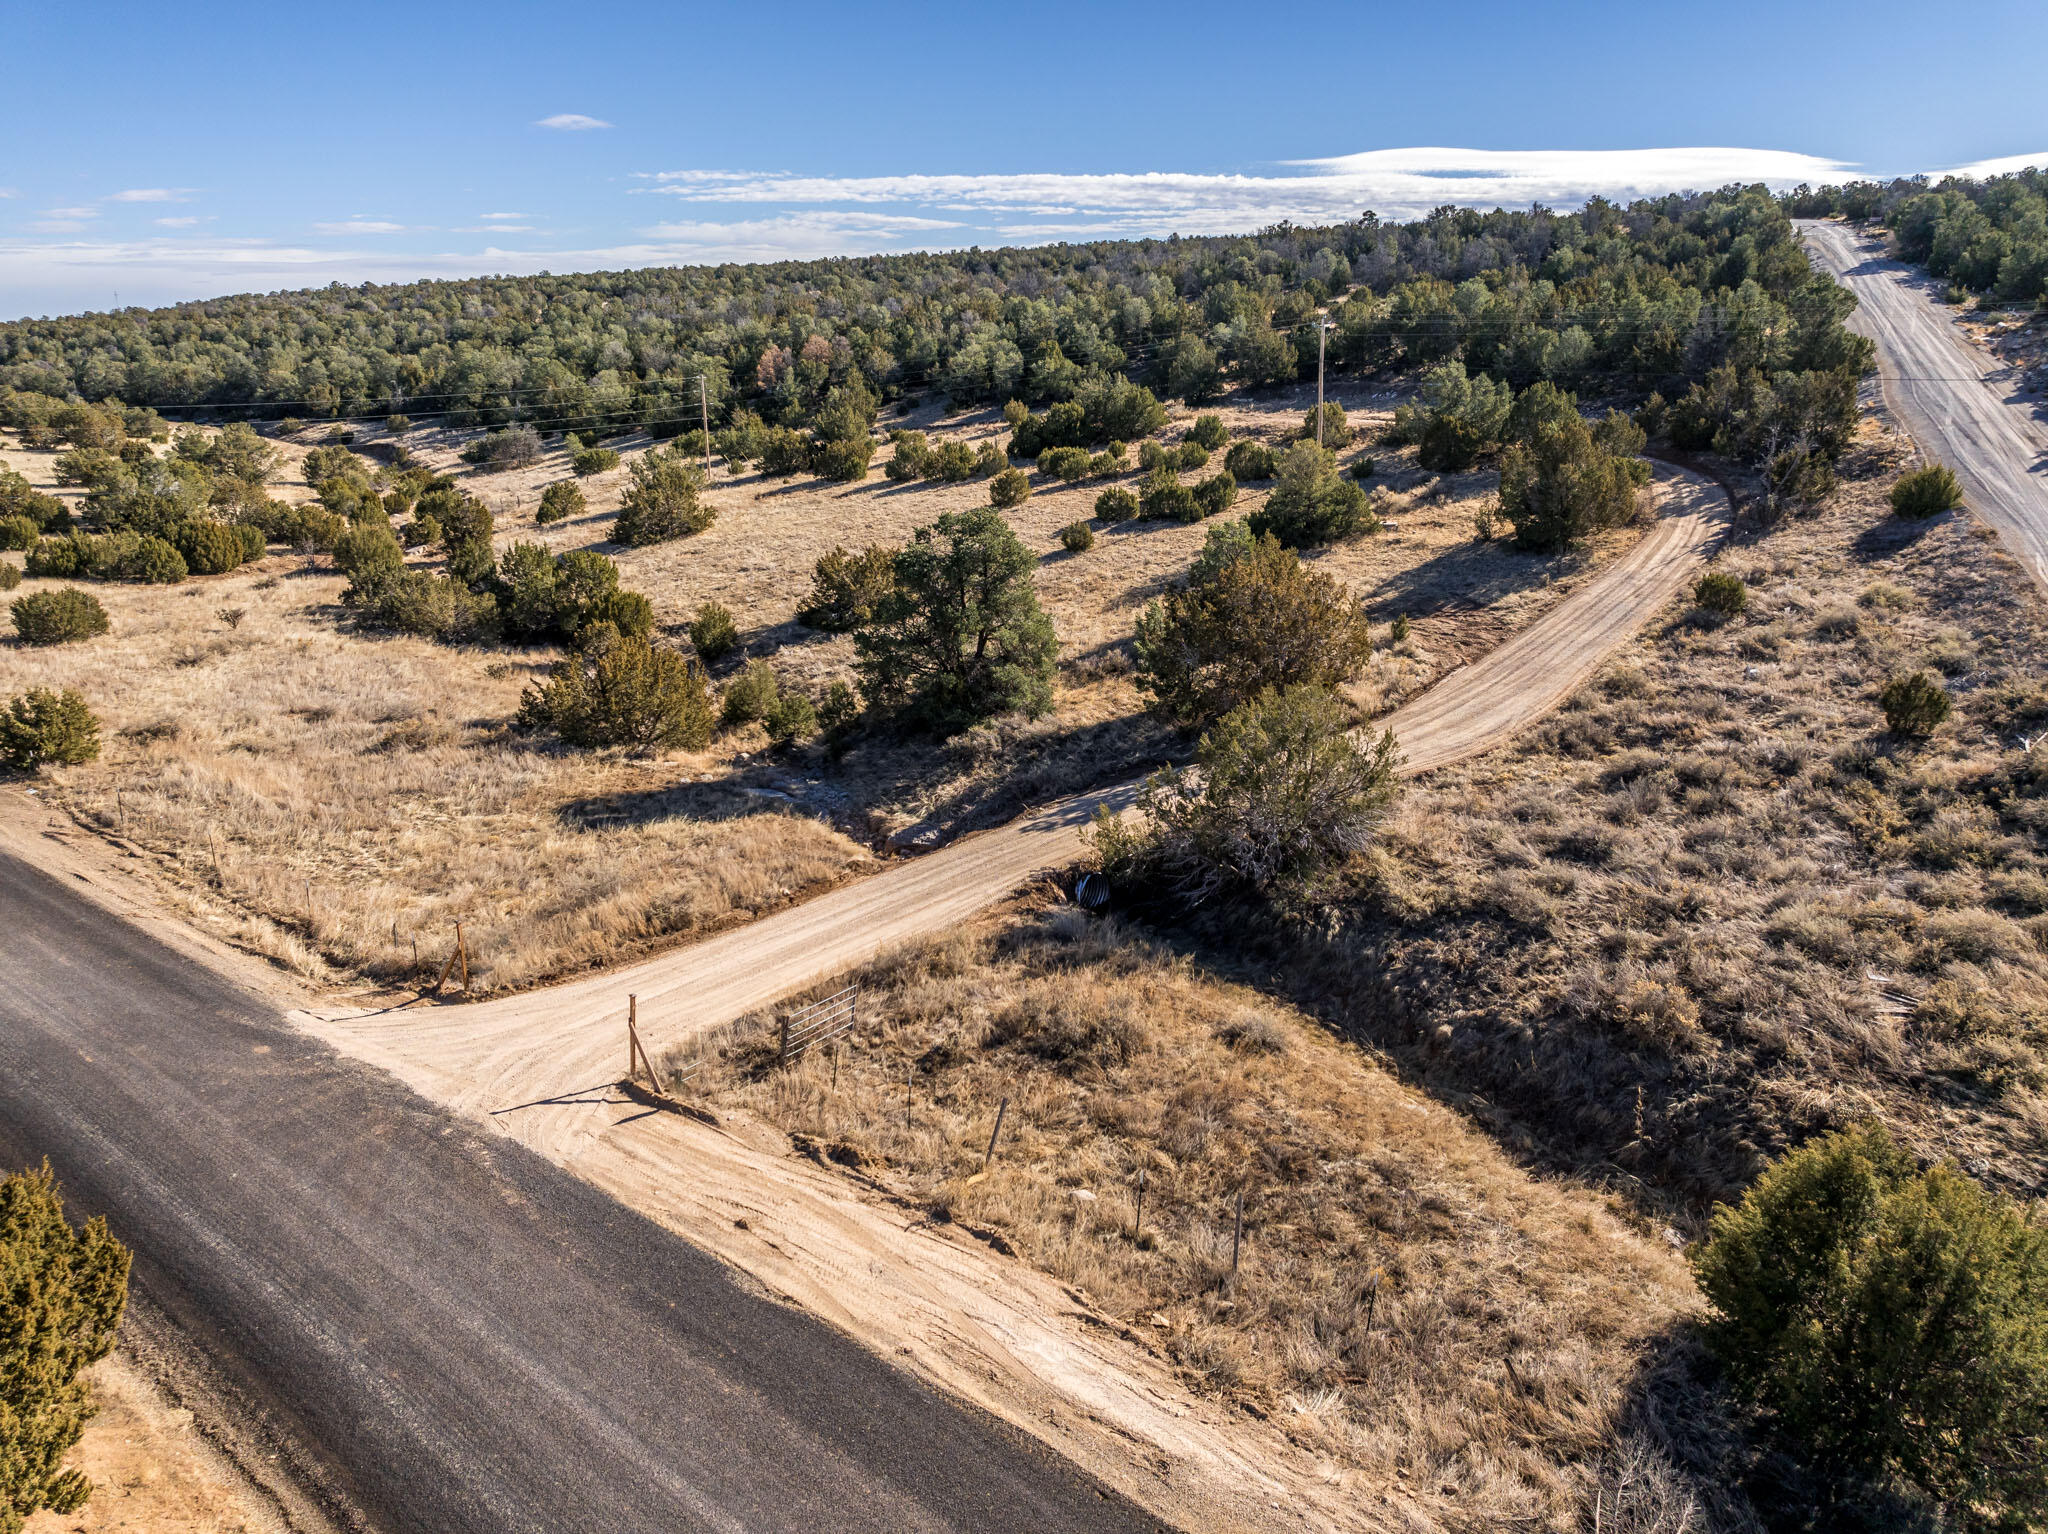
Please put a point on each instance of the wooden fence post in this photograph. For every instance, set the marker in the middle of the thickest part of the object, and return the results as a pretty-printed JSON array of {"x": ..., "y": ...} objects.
[
  {"x": 1138, "y": 1219},
  {"x": 462, "y": 950},
  {"x": 909, "y": 1071},
  {"x": 989, "y": 1154},
  {"x": 632, "y": 1034},
  {"x": 1236, "y": 1237},
  {"x": 782, "y": 1046}
]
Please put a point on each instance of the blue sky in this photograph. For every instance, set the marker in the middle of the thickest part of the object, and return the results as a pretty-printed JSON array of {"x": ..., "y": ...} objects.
[{"x": 163, "y": 152}]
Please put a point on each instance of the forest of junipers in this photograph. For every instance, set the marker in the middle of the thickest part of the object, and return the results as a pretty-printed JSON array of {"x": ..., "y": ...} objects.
[
  {"x": 1605, "y": 301},
  {"x": 1987, "y": 236}
]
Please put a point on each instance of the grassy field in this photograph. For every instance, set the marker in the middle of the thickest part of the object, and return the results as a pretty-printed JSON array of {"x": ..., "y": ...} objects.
[
  {"x": 1408, "y": 1303},
  {"x": 1714, "y": 908},
  {"x": 339, "y": 800}
]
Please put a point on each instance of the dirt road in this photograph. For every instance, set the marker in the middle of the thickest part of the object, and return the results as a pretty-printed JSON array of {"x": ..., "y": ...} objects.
[
  {"x": 451, "y": 1334},
  {"x": 493, "y": 1057},
  {"x": 1961, "y": 407},
  {"x": 542, "y": 1066}
]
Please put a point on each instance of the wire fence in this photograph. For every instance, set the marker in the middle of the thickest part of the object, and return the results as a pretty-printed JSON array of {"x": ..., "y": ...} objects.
[{"x": 815, "y": 1024}]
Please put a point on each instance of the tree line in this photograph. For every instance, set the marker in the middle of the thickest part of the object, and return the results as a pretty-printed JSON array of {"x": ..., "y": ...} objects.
[
  {"x": 1649, "y": 296},
  {"x": 1988, "y": 236}
]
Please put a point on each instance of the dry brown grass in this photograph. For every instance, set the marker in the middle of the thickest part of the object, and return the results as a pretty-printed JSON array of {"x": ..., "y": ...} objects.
[
  {"x": 1502, "y": 1368},
  {"x": 378, "y": 770},
  {"x": 1712, "y": 909}
]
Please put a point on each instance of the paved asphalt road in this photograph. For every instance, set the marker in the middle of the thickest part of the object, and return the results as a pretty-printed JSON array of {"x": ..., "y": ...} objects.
[
  {"x": 1961, "y": 407},
  {"x": 459, "y": 1335}
]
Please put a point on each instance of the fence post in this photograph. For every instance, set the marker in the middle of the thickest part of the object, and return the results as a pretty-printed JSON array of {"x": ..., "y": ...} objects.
[
  {"x": 1236, "y": 1237},
  {"x": 1138, "y": 1219},
  {"x": 989, "y": 1154},
  {"x": 462, "y": 950},
  {"x": 909, "y": 1071},
  {"x": 782, "y": 1047},
  {"x": 632, "y": 1035}
]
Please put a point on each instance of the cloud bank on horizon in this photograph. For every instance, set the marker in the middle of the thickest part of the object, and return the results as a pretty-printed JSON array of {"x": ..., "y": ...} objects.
[{"x": 741, "y": 215}]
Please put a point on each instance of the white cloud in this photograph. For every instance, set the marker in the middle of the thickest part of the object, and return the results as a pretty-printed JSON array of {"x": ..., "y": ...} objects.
[
  {"x": 493, "y": 229},
  {"x": 71, "y": 212},
  {"x": 504, "y": 215},
  {"x": 57, "y": 225},
  {"x": 152, "y": 194},
  {"x": 186, "y": 221},
  {"x": 2004, "y": 165},
  {"x": 361, "y": 226},
  {"x": 9, "y": 191},
  {"x": 1398, "y": 183},
  {"x": 572, "y": 122}
]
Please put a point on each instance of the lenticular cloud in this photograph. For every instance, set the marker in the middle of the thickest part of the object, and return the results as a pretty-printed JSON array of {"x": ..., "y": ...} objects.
[{"x": 1396, "y": 183}]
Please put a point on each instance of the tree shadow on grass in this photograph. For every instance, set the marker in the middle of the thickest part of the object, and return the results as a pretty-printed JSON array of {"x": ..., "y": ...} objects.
[
  {"x": 1893, "y": 535},
  {"x": 1465, "y": 578},
  {"x": 676, "y": 801}
]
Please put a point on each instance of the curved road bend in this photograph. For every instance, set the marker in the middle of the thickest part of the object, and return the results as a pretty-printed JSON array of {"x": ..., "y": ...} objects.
[
  {"x": 1955, "y": 401},
  {"x": 515, "y": 1056},
  {"x": 464, "y": 1338}
]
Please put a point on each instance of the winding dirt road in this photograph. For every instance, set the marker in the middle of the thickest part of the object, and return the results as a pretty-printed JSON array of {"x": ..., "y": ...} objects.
[
  {"x": 1961, "y": 407},
  {"x": 512, "y": 1057},
  {"x": 543, "y": 1067}
]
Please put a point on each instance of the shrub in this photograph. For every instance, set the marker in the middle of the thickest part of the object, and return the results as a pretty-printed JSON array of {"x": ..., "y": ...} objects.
[
  {"x": 1567, "y": 477},
  {"x": 1251, "y": 618},
  {"x": 846, "y": 588},
  {"x": 793, "y": 717},
  {"x": 1153, "y": 455},
  {"x": 661, "y": 502},
  {"x": 1720, "y": 592},
  {"x": 784, "y": 451},
  {"x": 512, "y": 448},
  {"x": 713, "y": 632},
  {"x": 210, "y": 548},
  {"x": 421, "y": 531},
  {"x": 251, "y": 540},
  {"x": 1284, "y": 792},
  {"x": 1363, "y": 469},
  {"x": 154, "y": 563},
  {"x": 1311, "y": 504},
  {"x": 622, "y": 691},
  {"x": 433, "y": 606},
  {"x": 750, "y": 695},
  {"x": 844, "y": 459},
  {"x": 369, "y": 557},
  {"x": 1014, "y": 413},
  {"x": 1250, "y": 460},
  {"x": 19, "y": 532},
  {"x": 912, "y": 459},
  {"x": 961, "y": 636},
  {"x": 1927, "y": 492},
  {"x": 1914, "y": 704},
  {"x": 1208, "y": 432},
  {"x": 1116, "y": 504},
  {"x": 1066, "y": 463},
  {"x": 1166, "y": 499},
  {"x": 593, "y": 460},
  {"x": 563, "y": 499},
  {"x": 398, "y": 425},
  {"x": 1336, "y": 429},
  {"x": 66, "y": 1288},
  {"x": 1892, "y": 1320},
  {"x": 58, "y": 617},
  {"x": 1458, "y": 418},
  {"x": 43, "y": 726},
  {"x": 1190, "y": 455},
  {"x": 1077, "y": 537},
  {"x": 1216, "y": 494},
  {"x": 10, "y": 575},
  {"x": 1009, "y": 488}
]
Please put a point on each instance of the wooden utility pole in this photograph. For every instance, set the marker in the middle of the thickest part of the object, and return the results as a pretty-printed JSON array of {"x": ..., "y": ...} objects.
[
  {"x": 704, "y": 401},
  {"x": 1322, "y": 341}
]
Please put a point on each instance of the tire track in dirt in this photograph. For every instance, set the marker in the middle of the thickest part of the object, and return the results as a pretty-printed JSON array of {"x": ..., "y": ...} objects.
[{"x": 543, "y": 1067}]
